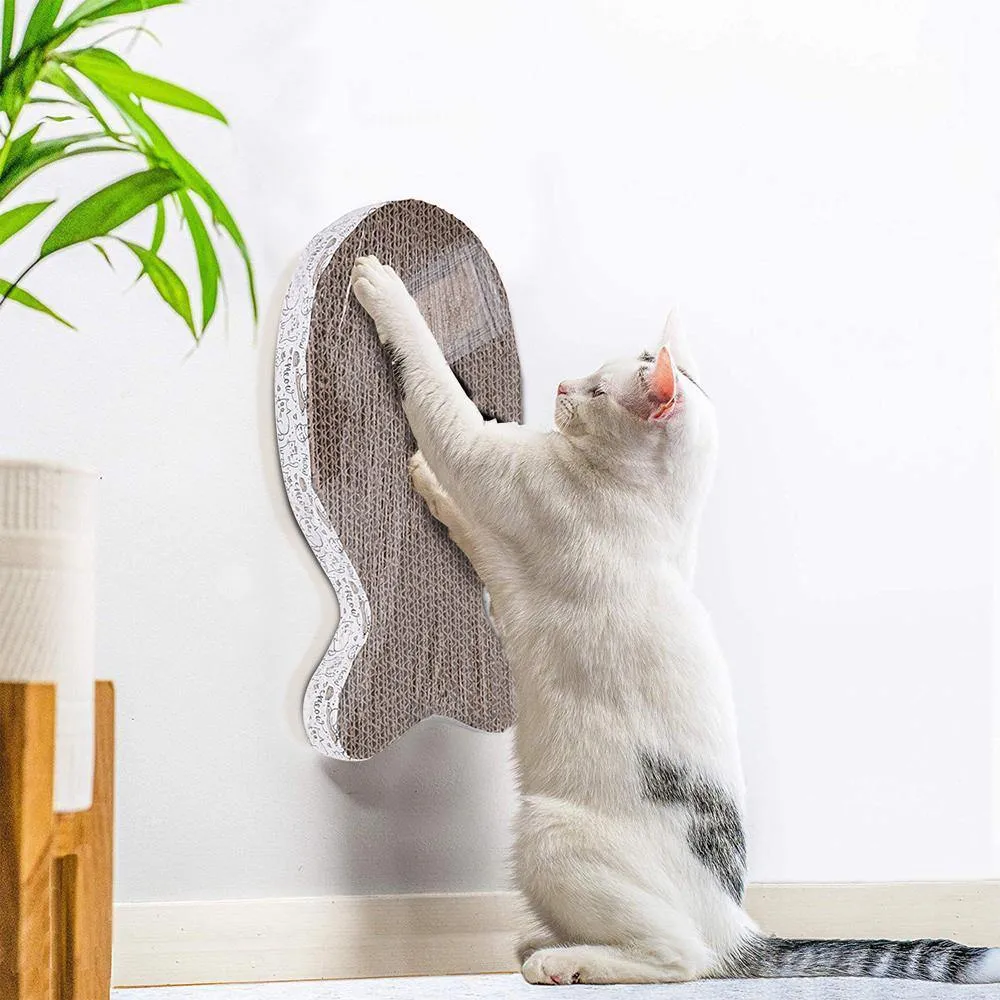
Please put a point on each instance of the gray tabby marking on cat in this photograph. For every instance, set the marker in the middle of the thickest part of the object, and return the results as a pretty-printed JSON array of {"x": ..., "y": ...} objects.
[
  {"x": 929, "y": 960},
  {"x": 716, "y": 831}
]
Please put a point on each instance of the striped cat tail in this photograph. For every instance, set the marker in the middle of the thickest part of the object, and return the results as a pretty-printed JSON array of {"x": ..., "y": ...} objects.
[{"x": 935, "y": 961}]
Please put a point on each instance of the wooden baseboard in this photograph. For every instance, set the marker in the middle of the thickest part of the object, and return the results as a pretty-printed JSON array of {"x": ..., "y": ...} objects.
[{"x": 345, "y": 937}]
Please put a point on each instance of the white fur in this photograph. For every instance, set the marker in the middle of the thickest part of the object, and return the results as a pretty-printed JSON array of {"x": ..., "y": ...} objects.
[
  {"x": 585, "y": 538},
  {"x": 988, "y": 969}
]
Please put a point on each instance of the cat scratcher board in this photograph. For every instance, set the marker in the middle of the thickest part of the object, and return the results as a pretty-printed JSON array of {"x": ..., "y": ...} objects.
[{"x": 413, "y": 639}]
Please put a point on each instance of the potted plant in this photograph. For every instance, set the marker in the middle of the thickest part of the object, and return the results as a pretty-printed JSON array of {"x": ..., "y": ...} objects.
[{"x": 63, "y": 94}]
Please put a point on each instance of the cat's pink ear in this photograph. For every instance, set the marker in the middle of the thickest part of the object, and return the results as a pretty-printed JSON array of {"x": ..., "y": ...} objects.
[{"x": 662, "y": 386}]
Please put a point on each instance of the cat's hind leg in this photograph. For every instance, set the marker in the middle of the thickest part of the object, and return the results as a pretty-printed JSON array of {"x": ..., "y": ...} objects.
[
  {"x": 630, "y": 934},
  {"x": 572, "y": 867},
  {"x": 535, "y": 942},
  {"x": 595, "y": 963}
]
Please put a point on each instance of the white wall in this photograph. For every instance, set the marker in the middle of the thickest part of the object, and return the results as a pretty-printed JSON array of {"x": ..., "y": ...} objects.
[{"x": 815, "y": 184}]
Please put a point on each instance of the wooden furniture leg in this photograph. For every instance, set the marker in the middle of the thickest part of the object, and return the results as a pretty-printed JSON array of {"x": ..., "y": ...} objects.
[{"x": 55, "y": 869}]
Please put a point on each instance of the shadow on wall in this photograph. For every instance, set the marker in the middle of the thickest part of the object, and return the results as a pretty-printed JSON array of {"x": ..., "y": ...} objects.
[{"x": 438, "y": 770}]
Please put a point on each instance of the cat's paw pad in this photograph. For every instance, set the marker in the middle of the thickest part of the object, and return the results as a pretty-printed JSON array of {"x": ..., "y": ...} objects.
[
  {"x": 377, "y": 286},
  {"x": 552, "y": 967}
]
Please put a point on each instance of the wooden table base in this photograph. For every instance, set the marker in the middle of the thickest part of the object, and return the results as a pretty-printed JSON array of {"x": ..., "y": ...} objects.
[{"x": 55, "y": 869}]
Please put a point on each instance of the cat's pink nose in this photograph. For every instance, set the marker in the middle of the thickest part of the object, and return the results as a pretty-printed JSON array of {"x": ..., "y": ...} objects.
[{"x": 562, "y": 390}]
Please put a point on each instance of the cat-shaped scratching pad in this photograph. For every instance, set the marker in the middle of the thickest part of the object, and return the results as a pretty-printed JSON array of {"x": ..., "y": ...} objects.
[{"x": 413, "y": 638}]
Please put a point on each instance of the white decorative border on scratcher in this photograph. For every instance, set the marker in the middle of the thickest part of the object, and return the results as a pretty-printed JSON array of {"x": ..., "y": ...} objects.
[{"x": 319, "y": 708}]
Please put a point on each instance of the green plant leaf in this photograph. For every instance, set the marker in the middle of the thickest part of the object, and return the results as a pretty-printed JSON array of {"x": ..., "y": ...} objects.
[
  {"x": 8, "y": 32},
  {"x": 132, "y": 29},
  {"x": 110, "y": 207},
  {"x": 208, "y": 263},
  {"x": 18, "y": 79},
  {"x": 11, "y": 179},
  {"x": 23, "y": 140},
  {"x": 39, "y": 28},
  {"x": 103, "y": 253},
  {"x": 52, "y": 73},
  {"x": 91, "y": 11},
  {"x": 106, "y": 69},
  {"x": 29, "y": 300},
  {"x": 159, "y": 227},
  {"x": 166, "y": 281},
  {"x": 17, "y": 218},
  {"x": 84, "y": 77},
  {"x": 154, "y": 142},
  {"x": 26, "y": 156},
  {"x": 11, "y": 148}
]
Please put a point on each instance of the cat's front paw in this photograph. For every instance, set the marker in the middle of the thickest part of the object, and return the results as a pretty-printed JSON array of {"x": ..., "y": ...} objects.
[{"x": 380, "y": 291}]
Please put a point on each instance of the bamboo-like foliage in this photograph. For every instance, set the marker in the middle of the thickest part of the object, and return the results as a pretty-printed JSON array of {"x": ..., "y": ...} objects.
[{"x": 106, "y": 100}]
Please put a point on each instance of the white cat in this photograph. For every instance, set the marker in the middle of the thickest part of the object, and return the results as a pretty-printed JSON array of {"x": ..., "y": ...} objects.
[{"x": 629, "y": 845}]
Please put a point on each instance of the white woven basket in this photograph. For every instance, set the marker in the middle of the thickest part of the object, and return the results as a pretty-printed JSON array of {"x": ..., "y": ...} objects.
[{"x": 47, "y": 606}]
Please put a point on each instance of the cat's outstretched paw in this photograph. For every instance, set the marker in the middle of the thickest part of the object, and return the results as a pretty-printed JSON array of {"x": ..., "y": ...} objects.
[{"x": 380, "y": 291}]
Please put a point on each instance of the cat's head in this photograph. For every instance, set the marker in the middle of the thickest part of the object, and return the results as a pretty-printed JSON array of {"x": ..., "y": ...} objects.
[{"x": 651, "y": 403}]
